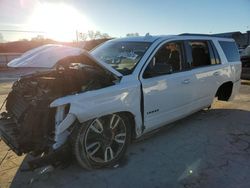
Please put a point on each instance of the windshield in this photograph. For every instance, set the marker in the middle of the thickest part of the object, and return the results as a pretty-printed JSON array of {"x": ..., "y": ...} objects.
[{"x": 122, "y": 56}]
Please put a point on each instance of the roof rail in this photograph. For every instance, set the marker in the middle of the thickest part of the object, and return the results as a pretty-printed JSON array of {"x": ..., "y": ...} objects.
[
  {"x": 205, "y": 35},
  {"x": 195, "y": 34}
]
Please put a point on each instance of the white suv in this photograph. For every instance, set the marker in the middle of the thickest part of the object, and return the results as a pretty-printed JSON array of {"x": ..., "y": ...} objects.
[{"x": 93, "y": 104}]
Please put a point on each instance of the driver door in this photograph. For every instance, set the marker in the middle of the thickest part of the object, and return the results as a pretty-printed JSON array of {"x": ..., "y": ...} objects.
[{"x": 167, "y": 95}]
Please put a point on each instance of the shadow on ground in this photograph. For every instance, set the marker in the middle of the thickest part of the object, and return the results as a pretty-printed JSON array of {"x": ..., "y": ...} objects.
[{"x": 210, "y": 148}]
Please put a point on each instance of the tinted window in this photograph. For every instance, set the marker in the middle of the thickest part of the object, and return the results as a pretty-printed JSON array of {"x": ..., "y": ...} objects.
[
  {"x": 168, "y": 59},
  {"x": 200, "y": 53},
  {"x": 230, "y": 50},
  {"x": 170, "y": 53}
]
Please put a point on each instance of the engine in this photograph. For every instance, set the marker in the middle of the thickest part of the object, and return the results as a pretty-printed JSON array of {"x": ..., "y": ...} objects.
[{"x": 30, "y": 121}]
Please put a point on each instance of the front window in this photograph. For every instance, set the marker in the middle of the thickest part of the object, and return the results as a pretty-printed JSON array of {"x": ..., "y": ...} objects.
[
  {"x": 122, "y": 56},
  {"x": 168, "y": 59}
]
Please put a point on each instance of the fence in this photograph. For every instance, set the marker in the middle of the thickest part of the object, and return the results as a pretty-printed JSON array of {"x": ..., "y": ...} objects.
[{"x": 5, "y": 58}]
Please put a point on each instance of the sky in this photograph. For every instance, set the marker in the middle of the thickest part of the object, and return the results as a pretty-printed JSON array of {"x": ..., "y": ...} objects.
[{"x": 60, "y": 19}]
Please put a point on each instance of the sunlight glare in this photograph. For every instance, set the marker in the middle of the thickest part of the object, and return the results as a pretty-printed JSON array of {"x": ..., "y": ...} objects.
[{"x": 59, "y": 21}]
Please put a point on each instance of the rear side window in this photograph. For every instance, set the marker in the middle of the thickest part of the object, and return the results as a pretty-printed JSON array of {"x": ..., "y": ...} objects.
[
  {"x": 200, "y": 53},
  {"x": 230, "y": 50}
]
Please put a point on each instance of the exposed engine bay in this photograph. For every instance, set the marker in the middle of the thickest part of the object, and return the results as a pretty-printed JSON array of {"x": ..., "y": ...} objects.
[{"x": 28, "y": 125}]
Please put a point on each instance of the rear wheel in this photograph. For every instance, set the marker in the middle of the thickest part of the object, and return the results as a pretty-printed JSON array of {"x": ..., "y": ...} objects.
[{"x": 102, "y": 142}]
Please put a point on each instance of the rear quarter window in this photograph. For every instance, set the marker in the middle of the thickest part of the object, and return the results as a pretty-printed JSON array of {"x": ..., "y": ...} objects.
[{"x": 230, "y": 50}]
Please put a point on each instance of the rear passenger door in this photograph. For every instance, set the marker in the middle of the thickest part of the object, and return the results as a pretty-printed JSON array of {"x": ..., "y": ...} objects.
[{"x": 207, "y": 69}]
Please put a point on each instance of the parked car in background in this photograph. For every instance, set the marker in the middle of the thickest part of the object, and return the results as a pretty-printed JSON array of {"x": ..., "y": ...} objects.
[
  {"x": 245, "y": 59},
  {"x": 93, "y": 104},
  {"x": 241, "y": 49}
]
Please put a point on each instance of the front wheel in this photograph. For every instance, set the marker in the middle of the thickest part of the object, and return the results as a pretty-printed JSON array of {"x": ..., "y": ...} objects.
[{"x": 102, "y": 142}]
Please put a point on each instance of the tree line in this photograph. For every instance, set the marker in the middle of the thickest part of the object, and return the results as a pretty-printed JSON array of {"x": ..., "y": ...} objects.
[{"x": 80, "y": 36}]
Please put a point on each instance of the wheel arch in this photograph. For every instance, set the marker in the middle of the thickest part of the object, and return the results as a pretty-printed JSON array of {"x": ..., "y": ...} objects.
[
  {"x": 225, "y": 90},
  {"x": 83, "y": 156},
  {"x": 131, "y": 118},
  {"x": 127, "y": 114}
]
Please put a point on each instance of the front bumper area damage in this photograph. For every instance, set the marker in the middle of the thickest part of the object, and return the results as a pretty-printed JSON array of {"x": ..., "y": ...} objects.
[
  {"x": 30, "y": 125},
  {"x": 9, "y": 132},
  {"x": 36, "y": 143},
  {"x": 27, "y": 127}
]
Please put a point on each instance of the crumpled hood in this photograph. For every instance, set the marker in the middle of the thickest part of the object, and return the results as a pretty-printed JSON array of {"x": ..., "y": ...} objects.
[{"x": 47, "y": 56}]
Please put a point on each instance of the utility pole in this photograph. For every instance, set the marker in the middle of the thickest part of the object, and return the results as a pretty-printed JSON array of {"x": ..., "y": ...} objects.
[
  {"x": 77, "y": 37},
  {"x": 248, "y": 37}
]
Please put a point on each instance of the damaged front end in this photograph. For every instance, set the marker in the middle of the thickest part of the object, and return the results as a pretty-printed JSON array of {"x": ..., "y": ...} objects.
[{"x": 30, "y": 125}]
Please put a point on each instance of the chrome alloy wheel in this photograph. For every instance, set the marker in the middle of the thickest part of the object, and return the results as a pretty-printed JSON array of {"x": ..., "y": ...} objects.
[{"x": 105, "y": 138}]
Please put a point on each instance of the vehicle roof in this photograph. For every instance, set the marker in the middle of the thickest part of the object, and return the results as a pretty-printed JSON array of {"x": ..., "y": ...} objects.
[
  {"x": 153, "y": 38},
  {"x": 147, "y": 38}
]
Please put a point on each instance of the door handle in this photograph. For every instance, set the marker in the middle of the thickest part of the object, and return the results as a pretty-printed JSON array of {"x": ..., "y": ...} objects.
[
  {"x": 216, "y": 73},
  {"x": 187, "y": 81}
]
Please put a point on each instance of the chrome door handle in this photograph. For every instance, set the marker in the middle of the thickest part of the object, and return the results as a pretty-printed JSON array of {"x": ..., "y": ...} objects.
[
  {"x": 187, "y": 81},
  {"x": 216, "y": 73}
]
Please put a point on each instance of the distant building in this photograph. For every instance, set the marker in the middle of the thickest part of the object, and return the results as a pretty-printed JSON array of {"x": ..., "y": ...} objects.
[{"x": 242, "y": 39}]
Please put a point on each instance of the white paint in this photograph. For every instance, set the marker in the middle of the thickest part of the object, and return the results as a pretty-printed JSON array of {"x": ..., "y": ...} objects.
[
  {"x": 45, "y": 56},
  {"x": 170, "y": 97}
]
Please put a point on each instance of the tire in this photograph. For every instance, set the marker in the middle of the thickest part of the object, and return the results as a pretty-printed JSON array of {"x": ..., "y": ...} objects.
[{"x": 101, "y": 142}]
